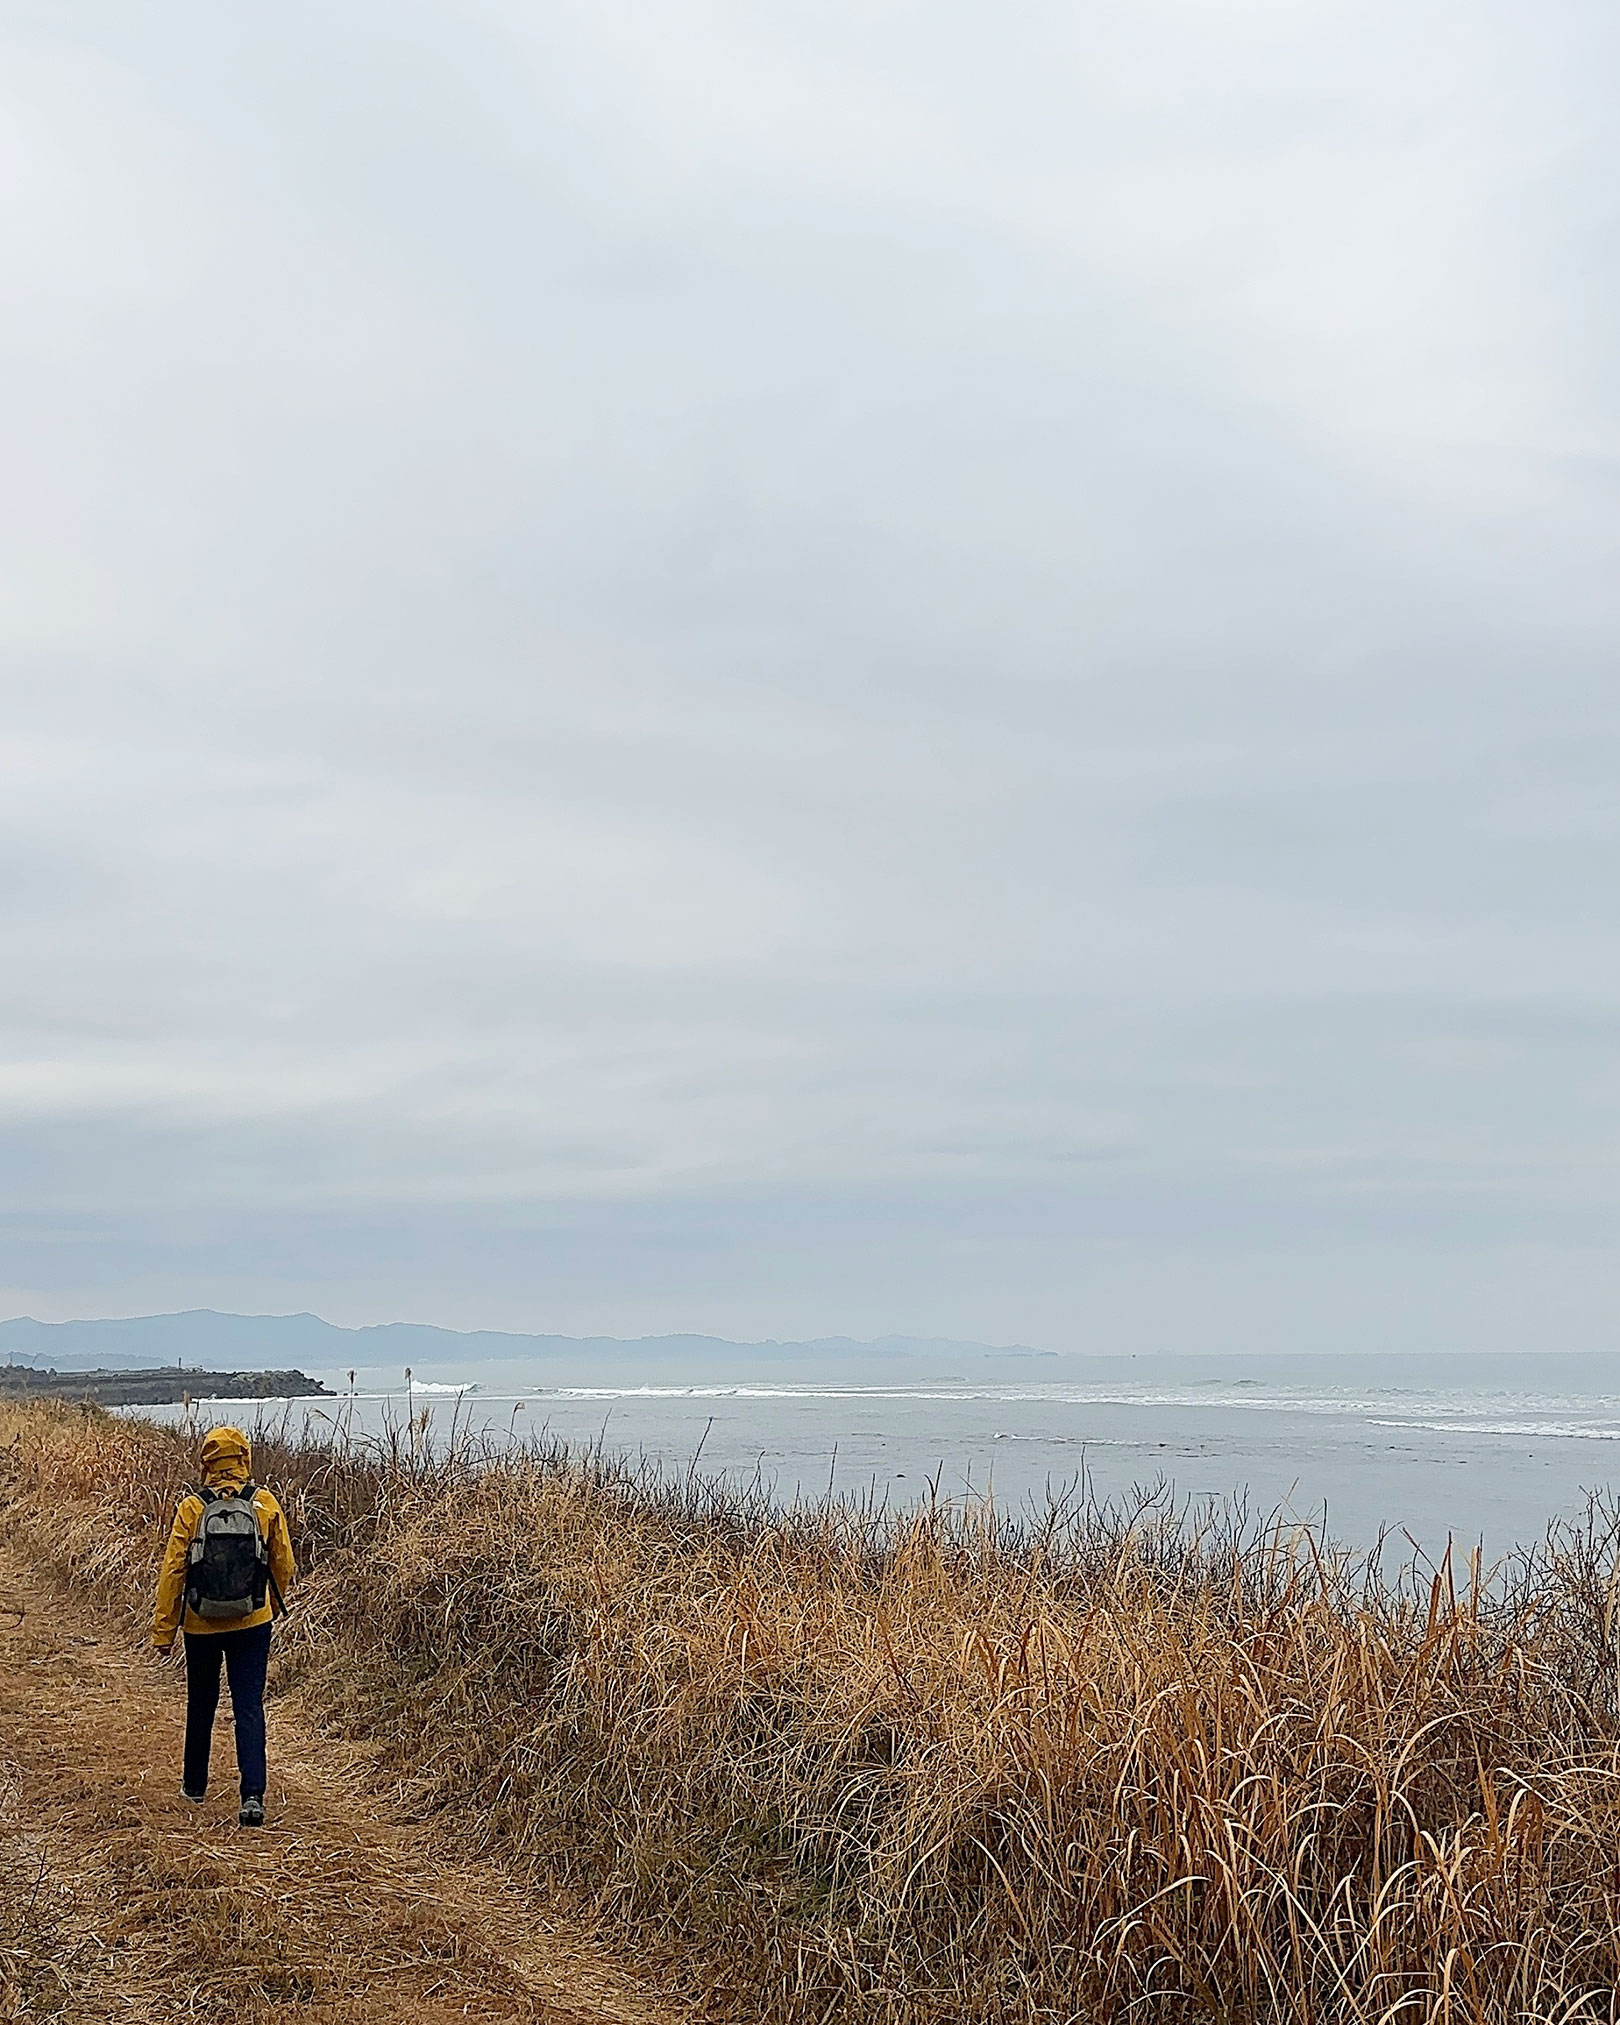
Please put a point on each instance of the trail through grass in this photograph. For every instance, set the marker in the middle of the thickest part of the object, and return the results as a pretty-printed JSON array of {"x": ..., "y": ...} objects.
[{"x": 120, "y": 1900}]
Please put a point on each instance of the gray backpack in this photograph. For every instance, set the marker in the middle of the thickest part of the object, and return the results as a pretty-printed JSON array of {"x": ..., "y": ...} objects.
[{"x": 228, "y": 1566}]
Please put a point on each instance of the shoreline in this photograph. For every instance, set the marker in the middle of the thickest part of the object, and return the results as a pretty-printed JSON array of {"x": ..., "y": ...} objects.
[{"x": 163, "y": 1385}]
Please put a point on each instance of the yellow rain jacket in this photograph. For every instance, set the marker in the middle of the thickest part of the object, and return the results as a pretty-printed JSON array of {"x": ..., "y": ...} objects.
[{"x": 227, "y": 1463}]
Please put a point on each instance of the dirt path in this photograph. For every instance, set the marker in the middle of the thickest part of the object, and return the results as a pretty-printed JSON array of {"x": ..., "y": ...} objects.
[{"x": 120, "y": 1900}]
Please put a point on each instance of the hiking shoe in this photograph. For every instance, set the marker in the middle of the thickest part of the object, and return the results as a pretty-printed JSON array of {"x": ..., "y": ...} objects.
[
  {"x": 197, "y": 1798},
  {"x": 252, "y": 1811}
]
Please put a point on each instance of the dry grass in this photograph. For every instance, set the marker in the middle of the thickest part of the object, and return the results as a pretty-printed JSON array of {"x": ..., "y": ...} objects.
[
  {"x": 834, "y": 1767},
  {"x": 42, "y": 1941}
]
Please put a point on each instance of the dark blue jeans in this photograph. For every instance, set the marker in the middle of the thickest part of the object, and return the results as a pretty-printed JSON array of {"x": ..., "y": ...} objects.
[{"x": 247, "y": 1658}]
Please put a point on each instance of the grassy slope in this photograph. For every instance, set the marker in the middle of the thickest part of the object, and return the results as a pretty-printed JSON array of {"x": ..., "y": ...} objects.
[{"x": 939, "y": 1770}]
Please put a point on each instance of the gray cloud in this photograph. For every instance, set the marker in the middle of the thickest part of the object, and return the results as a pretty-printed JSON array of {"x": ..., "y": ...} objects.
[{"x": 800, "y": 670}]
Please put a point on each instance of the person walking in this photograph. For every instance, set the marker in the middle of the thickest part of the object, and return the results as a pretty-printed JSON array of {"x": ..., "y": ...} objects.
[{"x": 225, "y": 1574}]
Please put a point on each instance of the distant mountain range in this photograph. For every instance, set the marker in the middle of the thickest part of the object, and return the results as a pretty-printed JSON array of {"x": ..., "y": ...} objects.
[
  {"x": 253, "y": 1342},
  {"x": 201, "y": 1337}
]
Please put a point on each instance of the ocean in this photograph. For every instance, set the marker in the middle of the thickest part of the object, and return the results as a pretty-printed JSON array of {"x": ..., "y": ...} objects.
[{"x": 1490, "y": 1465}]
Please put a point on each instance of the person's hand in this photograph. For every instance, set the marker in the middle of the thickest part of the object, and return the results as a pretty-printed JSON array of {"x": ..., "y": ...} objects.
[{"x": 165, "y": 1649}]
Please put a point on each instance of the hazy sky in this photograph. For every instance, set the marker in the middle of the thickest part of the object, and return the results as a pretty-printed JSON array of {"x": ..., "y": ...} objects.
[{"x": 805, "y": 668}]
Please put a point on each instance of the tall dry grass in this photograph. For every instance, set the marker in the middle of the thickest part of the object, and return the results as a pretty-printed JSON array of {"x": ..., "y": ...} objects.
[{"x": 832, "y": 1765}]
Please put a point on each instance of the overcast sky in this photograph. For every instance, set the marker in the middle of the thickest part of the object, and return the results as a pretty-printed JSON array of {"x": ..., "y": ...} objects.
[{"x": 805, "y": 668}]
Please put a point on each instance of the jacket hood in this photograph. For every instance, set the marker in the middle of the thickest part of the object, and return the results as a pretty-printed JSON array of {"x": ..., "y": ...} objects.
[{"x": 227, "y": 1459}]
